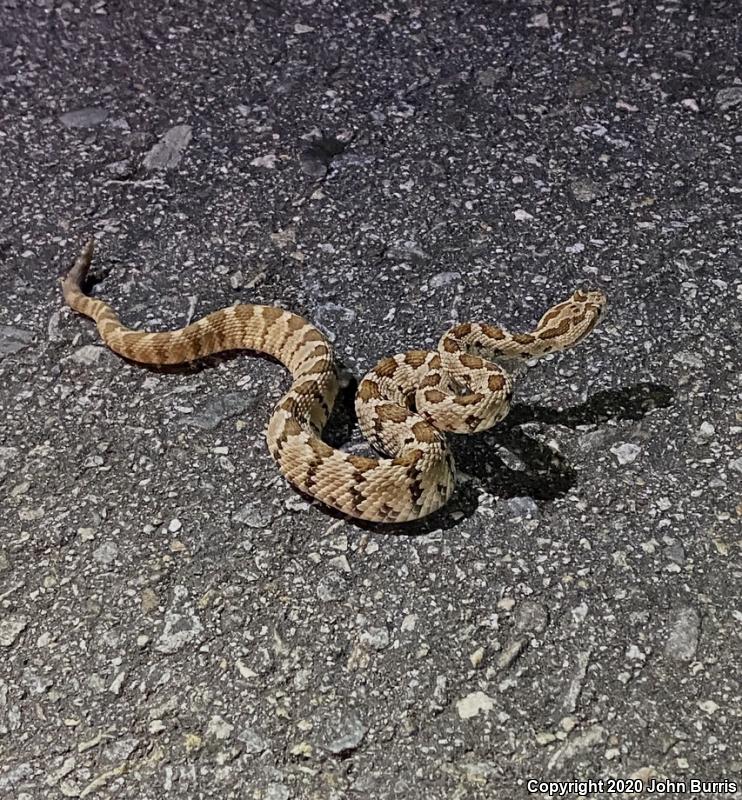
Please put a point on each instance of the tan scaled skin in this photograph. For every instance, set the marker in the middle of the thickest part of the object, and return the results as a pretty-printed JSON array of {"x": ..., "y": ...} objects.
[{"x": 404, "y": 404}]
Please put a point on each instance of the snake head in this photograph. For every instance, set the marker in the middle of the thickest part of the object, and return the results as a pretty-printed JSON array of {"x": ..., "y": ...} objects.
[
  {"x": 592, "y": 299},
  {"x": 570, "y": 321},
  {"x": 585, "y": 308}
]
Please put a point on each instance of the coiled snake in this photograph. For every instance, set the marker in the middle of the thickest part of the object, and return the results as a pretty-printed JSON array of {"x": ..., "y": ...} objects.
[{"x": 404, "y": 404}]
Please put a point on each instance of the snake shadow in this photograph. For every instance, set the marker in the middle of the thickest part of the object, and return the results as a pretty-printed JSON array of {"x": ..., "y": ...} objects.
[{"x": 542, "y": 474}]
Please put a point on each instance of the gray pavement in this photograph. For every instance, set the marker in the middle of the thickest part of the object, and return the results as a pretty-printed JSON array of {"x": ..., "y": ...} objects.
[{"x": 175, "y": 620}]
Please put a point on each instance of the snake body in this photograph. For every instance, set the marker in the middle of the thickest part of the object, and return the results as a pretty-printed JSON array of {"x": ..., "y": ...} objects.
[{"x": 404, "y": 405}]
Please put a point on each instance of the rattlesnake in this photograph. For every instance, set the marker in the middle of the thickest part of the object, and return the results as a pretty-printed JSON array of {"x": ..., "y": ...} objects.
[{"x": 403, "y": 405}]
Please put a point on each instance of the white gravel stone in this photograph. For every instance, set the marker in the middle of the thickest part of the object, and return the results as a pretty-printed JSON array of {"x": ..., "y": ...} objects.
[
  {"x": 340, "y": 563},
  {"x": 10, "y": 628},
  {"x": 13, "y": 339},
  {"x": 531, "y": 616},
  {"x": 276, "y": 791},
  {"x": 682, "y": 638},
  {"x": 219, "y": 728},
  {"x": 375, "y": 638},
  {"x": 107, "y": 553},
  {"x": 409, "y": 622},
  {"x": 344, "y": 735},
  {"x": 522, "y": 507},
  {"x": 182, "y": 626},
  {"x": 84, "y": 117},
  {"x": 626, "y": 453},
  {"x": 728, "y": 97},
  {"x": 689, "y": 359},
  {"x": 88, "y": 355},
  {"x": 510, "y": 652},
  {"x": 268, "y": 161},
  {"x": 253, "y": 742},
  {"x": 117, "y": 683},
  {"x": 444, "y": 279},
  {"x": 121, "y": 749},
  {"x": 581, "y": 743},
  {"x": 168, "y": 152},
  {"x": 254, "y": 515},
  {"x": 474, "y": 704}
]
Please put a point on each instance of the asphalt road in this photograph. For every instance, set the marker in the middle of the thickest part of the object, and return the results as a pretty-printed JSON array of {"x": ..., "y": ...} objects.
[{"x": 175, "y": 620}]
